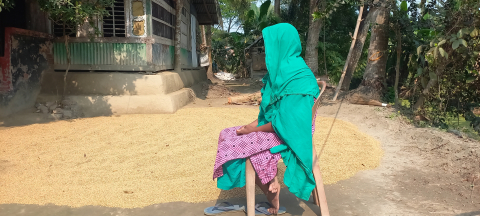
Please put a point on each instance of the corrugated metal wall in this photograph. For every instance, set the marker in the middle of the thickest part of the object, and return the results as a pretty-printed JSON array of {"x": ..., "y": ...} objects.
[
  {"x": 186, "y": 57},
  {"x": 163, "y": 55},
  {"x": 102, "y": 54}
]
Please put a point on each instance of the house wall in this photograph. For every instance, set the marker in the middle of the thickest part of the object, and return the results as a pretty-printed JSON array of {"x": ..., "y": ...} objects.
[
  {"x": 146, "y": 52},
  {"x": 37, "y": 20},
  {"x": 15, "y": 17},
  {"x": 163, "y": 55},
  {"x": 115, "y": 54},
  {"x": 186, "y": 57},
  {"x": 102, "y": 55},
  {"x": 28, "y": 54},
  {"x": 258, "y": 58},
  {"x": 137, "y": 13},
  {"x": 193, "y": 36}
]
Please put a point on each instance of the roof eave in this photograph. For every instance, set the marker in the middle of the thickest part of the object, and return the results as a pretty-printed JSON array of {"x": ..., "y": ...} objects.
[{"x": 208, "y": 11}]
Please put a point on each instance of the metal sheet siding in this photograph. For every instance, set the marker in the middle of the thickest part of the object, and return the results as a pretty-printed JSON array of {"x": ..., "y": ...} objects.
[
  {"x": 102, "y": 54},
  {"x": 163, "y": 55},
  {"x": 186, "y": 57}
]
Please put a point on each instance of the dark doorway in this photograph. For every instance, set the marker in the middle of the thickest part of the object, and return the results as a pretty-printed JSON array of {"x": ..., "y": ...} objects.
[{"x": 15, "y": 17}]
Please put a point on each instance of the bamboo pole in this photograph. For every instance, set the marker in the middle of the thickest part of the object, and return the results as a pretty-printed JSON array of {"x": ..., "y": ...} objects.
[{"x": 359, "y": 20}]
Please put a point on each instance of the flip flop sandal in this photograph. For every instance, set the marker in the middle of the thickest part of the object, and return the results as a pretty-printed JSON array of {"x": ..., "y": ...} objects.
[
  {"x": 223, "y": 207},
  {"x": 262, "y": 210}
]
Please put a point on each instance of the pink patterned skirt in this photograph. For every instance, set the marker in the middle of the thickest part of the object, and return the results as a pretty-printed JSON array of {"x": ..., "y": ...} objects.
[{"x": 255, "y": 146}]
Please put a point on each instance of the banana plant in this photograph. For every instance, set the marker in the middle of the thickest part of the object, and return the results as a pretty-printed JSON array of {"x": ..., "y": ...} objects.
[{"x": 258, "y": 18}]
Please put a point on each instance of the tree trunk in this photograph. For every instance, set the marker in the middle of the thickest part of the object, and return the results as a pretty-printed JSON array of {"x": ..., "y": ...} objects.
[
  {"x": 178, "y": 33},
  {"x": 229, "y": 25},
  {"x": 374, "y": 76},
  {"x": 311, "y": 51},
  {"x": 208, "y": 33},
  {"x": 359, "y": 19},
  {"x": 277, "y": 7},
  {"x": 404, "y": 70},
  {"x": 210, "y": 76},
  {"x": 68, "y": 67},
  {"x": 430, "y": 84},
  {"x": 357, "y": 49},
  {"x": 422, "y": 7},
  {"x": 204, "y": 36},
  {"x": 397, "y": 68}
]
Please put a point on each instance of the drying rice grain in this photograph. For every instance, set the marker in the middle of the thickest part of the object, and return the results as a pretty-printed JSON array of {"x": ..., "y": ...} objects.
[{"x": 139, "y": 160}]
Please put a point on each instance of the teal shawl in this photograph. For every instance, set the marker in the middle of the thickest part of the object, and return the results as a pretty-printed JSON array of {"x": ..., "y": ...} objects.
[{"x": 287, "y": 100}]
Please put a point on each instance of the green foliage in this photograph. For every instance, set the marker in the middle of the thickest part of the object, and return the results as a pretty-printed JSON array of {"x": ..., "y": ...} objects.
[
  {"x": 337, "y": 41},
  {"x": 440, "y": 49},
  {"x": 259, "y": 18},
  {"x": 228, "y": 51},
  {"x": 403, "y": 6},
  {"x": 442, "y": 44},
  {"x": 331, "y": 7},
  {"x": 389, "y": 96},
  {"x": 73, "y": 13},
  {"x": 393, "y": 115},
  {"x": 233, "y": 12},
  {"x": 6, "y": 4},
  {"x": 228, "y": 47},
  {"x": 426, "y": 16}
]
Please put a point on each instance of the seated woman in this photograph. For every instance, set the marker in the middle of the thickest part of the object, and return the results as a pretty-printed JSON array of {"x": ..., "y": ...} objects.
[{"x": 283, "y": 128}]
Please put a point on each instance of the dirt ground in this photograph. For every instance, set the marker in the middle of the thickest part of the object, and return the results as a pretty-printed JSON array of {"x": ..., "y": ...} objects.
[{"x": 424, "y": 171}]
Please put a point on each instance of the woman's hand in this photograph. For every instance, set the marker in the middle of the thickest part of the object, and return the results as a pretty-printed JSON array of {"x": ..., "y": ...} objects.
[
  {"x": 252, "y": 127},
  {"x": 247, "y": 128},
  {"x": 244, "y": 130}
]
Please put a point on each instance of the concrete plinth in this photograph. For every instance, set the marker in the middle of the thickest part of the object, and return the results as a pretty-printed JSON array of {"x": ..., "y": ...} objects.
[{"x": 97, "y": 93}]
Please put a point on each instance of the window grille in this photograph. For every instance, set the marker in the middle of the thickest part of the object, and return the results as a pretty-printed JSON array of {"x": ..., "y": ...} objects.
[
  {"x": 184, "y": 12},
  {"x": 114, "y": 24},
  {"x": 163, "y": 22},
  {"x": 58, "y": 31}
]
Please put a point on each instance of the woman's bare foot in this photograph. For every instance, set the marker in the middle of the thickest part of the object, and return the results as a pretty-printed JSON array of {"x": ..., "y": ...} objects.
[{"x": 273, "y": 196}]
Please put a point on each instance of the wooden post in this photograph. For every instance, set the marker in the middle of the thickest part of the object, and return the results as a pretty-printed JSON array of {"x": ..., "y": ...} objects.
[
  {"x": 250, "y": 187},
  {"x": 319, "y": 194},
  {"x": 359, "y": 20}
]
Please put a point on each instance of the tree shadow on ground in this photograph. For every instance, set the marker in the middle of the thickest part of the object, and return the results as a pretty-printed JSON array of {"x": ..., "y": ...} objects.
[
  {"x": 244, "y": 86},
  {"x": 92, "y": 102},
  {"x": 106, "y": 93}
]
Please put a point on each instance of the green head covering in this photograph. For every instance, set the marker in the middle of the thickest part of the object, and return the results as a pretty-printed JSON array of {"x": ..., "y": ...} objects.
[
  {"x": 284, "y": 64},
  {"x": 287, "y": 71}
]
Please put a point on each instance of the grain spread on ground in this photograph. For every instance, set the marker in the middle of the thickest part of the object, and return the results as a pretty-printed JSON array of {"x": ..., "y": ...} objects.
[{"x": 139, "y": 160}]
